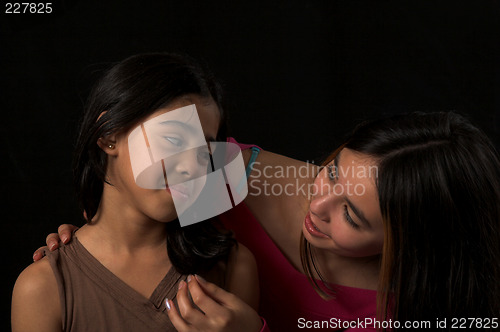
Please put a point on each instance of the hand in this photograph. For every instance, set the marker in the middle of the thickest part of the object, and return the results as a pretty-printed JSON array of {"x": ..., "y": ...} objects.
[
  {"x": 65, "y": 232},
  {"x": 220, "y": 311}
]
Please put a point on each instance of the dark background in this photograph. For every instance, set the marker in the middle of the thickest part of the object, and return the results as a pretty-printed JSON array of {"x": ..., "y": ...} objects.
[{"x": 298, "y": 74}]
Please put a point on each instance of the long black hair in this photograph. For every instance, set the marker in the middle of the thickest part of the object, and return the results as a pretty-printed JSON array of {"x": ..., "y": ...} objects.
[
  {"x": 128, "y": 92},
  {"x": 439, "y": 192}
]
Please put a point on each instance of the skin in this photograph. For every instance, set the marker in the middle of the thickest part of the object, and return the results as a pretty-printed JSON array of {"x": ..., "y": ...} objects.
[
  {"x": 350, "y": 250},
  {"x": 349, "y": 256},
  {"x": 346, "y": 255},
  {"x": 128, "y": 237}
]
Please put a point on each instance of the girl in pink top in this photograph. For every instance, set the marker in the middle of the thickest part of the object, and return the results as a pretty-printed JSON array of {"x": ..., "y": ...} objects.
[{"x": 399, "y": 228}]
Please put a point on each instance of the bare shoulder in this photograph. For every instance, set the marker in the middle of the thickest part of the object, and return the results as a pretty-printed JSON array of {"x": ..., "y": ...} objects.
[
  {"x": 242, "y": 275},
  {"x": 275, "y": 178},
  {"x": 35, "y": 299},
  {"x": 279, "y": 189},
  {"x": 36, "y": 280}
]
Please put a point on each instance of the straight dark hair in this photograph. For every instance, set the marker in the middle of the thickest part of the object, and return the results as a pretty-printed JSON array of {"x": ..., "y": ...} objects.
[
  {"x": 127, "y": 93},
  {"x": 439, "y": 192}
]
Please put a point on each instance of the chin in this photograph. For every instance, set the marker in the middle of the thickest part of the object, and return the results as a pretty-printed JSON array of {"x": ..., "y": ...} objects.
[
  {"x": 166, "y": 219},
  {"x": 164, "y": 213},
  {"x": 317, "y": 242}
]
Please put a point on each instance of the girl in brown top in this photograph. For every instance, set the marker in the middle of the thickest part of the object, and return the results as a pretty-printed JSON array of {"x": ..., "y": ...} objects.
[{"x": 132, "y": 256}]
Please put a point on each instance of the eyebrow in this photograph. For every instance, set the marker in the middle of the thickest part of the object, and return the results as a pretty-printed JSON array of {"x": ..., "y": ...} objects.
[
  {"x": 336, "y": 164},
  {"x": 357, "y": 212},
  {"x": 187, "y": 127}
]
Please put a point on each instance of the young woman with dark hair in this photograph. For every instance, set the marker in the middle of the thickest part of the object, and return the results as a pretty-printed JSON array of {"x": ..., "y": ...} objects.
[
  {"x": 438, "y": 192},
  {"x": 132, "y": 262},
  {"x": 401, "y": 223}
]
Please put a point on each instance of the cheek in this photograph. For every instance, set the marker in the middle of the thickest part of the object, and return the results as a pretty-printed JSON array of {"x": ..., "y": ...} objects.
[
  {"x": 344, "y": 236},
  {"x": 354, "y": 242},
  {"x": 121, "y": 171}
]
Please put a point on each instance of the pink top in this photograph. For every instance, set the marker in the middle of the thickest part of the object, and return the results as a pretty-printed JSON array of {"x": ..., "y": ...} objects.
[{"x": 288, "y": 301}]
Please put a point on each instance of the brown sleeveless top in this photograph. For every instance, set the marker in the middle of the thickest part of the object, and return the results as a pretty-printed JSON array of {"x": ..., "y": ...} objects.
[{"x": 94, "y": 299}]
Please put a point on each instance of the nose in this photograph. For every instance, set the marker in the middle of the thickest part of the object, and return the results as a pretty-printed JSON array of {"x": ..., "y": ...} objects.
[
  {"x": 186, "y": 164},
  {"x": 191, "y": 163},
  {"x": 323, "y": 204}
]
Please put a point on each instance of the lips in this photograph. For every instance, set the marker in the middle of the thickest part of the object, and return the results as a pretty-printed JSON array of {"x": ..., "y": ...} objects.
[
  {"x": 313, "y": 229},
  {"x": 179, "y": 191}
]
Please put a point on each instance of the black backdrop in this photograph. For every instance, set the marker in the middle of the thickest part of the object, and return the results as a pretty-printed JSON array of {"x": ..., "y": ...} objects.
[{"x": 298, "y": 74}]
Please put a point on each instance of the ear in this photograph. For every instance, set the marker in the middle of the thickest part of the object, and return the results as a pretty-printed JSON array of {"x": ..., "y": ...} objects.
[{"x": 108, "y": 145}]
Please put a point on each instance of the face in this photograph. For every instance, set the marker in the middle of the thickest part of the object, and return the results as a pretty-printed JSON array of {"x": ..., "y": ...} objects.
[
  {"x": 344, "y": 215},
  {"x": 179, "y": 166}
]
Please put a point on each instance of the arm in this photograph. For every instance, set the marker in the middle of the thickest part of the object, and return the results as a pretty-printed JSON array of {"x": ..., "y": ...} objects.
[
  {"x": 34, "y": 306},
  {"x": 274, "y": 168},
  {"x": 265, "y": 164},
  {"x": 265, "y": 207},
  {"x": 277, "y": 186},
  {"x": 280, "y": 189}
]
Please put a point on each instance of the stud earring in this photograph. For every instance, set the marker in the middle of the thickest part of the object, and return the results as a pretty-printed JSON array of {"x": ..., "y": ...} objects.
[{"x": 111, "y": 146}]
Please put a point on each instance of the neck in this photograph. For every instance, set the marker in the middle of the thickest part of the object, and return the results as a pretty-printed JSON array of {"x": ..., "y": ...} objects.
[
  {"x": 361, "y": 272},
  {"x": 121, "y": 227}
]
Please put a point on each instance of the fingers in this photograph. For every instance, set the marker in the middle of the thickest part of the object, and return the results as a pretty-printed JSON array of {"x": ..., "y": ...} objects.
[
  {"x": 39, "y": 253},
  {"x": 52, "y": 241},
  {"x": 208, "y": 305},
  {"x": 176, "y": 319},
  {"x": 66, "y": 232},
  {"x": 214, "y": 302},
  {"x": 217, "y": 293},
  {"x": 188, "y": 312}
]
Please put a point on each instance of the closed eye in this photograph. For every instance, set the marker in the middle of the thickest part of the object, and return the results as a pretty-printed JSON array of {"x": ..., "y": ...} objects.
[
  {"x": 173, "y": 140},
  {"x": 349, "y": 218}
]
